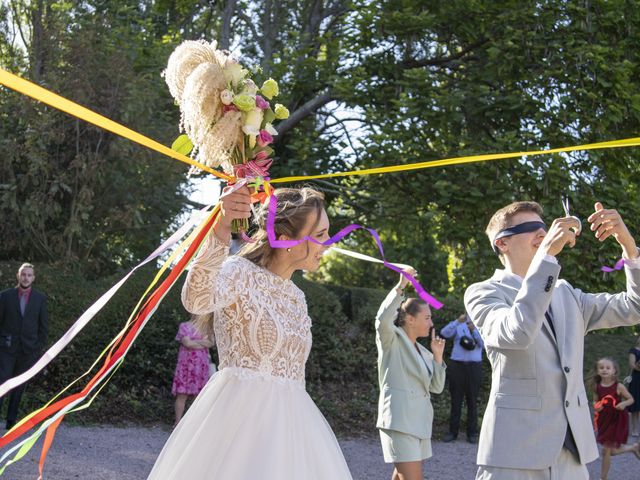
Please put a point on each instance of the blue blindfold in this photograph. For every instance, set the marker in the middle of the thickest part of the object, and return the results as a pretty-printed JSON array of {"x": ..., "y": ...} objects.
[{"x": 525, "y": 227}]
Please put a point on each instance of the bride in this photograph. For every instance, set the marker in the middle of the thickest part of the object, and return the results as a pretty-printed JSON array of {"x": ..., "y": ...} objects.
[{"x": 254, "y": 419}]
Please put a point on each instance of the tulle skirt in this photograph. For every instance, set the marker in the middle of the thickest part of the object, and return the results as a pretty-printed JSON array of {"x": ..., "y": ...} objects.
[{"x": 244, "y": 426}]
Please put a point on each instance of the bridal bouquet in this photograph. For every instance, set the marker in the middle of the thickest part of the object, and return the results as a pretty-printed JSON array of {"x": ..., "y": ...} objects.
[{"x": 227, "y": 119}]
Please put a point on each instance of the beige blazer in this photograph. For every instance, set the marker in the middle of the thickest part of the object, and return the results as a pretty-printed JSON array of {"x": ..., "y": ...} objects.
[
  {"x": 536, "y": 385},
  {"x": 406, "y": 381}
]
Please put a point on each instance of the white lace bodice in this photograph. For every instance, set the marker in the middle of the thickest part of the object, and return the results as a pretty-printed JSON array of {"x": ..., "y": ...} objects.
[{"x": 261, "y": 322}]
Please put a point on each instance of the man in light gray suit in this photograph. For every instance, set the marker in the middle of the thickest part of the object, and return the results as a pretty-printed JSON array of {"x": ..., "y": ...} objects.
[{"x": 537, "y": 424}]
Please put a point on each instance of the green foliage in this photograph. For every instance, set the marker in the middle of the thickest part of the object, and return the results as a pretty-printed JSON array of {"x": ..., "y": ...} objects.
[
  {"x": 438, "y": 80},
  {"x": 368, "y": 84},
  {"x": 341, "y": 370},
  {"x": 70, "y": 191},
  {"x": 141, "y": 388}
]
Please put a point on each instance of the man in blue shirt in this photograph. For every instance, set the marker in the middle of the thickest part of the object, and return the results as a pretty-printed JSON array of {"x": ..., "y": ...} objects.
[{"x": 464, "y": 370}]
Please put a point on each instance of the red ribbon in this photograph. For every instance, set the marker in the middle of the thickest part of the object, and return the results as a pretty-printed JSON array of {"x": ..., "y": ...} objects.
[{"x": 117, "y": 351}]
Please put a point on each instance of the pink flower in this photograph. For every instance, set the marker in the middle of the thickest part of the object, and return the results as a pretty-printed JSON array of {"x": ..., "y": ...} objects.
[
  {"x": 264, "y": 138},
  {"x": 261, "y": 103},
  {"x": 229, "y": 108},
  {"x": 260, "y": 156}
]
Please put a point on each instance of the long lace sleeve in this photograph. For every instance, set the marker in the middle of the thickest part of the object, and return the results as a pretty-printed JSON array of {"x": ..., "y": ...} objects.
[{"x": 199, "y": 293}]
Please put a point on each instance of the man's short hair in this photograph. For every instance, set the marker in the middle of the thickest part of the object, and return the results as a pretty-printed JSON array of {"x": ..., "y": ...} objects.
[
  {"x": 502, "y": 218},
  {"x": 27, "y": 265}
]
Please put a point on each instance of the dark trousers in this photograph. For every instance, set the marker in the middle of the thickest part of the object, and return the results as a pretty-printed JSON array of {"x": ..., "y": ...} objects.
[
  {"x": 465, "y": 379},
  {"x": 11, "y": 365}
]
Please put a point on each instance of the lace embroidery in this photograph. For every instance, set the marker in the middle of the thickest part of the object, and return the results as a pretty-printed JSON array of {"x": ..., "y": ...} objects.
[{"x": 260, "y": 319}]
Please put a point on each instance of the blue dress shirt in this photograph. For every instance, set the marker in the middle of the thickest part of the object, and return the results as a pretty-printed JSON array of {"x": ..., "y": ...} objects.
[{"x": 455, "y": 330}]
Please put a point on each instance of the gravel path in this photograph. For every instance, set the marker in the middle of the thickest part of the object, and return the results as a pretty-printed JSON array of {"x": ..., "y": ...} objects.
[{"x": 113, "y": 453}]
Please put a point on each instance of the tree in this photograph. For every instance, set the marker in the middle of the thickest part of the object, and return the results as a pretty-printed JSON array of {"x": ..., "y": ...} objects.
[
  {"x": 71, "y": 191},
  {"x": 443, "y": 80}
]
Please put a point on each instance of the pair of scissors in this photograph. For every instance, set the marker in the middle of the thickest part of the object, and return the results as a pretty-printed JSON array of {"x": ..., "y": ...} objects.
[{"x": 565, "y": 205}]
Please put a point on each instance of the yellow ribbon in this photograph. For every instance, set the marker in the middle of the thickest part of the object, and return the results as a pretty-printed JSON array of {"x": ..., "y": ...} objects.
[
  {"x": 45, "y": 96},
  {"x": 23, "y": 86},
  {"x": 627, "y": 142}
]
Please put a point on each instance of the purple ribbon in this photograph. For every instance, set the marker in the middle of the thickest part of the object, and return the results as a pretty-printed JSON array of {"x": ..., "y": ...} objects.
[
  {"x": 275, "y": 243},
  {"x": 618, "y": 266}
]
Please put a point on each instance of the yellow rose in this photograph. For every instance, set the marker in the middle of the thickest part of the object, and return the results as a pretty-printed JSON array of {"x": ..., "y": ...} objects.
[
  {"x": 245, "y": 103},
  {"x": 281, "y": 111},
  {"x": 270, "y": 88}
]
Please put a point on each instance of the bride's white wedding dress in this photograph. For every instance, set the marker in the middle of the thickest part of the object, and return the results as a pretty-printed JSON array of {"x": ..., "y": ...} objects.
[{"x": 254, "y": 419}]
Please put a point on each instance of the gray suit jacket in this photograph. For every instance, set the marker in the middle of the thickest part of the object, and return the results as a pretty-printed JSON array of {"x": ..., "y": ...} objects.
[
  {"x": 537, "y": 386},
  {"x": 405, "y": 380}
]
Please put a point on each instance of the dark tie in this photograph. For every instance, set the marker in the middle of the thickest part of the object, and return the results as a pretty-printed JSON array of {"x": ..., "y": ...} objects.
[{"x": 550, "y": 320}]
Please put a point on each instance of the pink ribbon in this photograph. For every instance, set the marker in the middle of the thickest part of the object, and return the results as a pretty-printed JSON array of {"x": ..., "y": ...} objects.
[
  {"x": 275, "y": 243},
  {"x": 253, "y": 168},
  {"x": 618, "y": 266}
]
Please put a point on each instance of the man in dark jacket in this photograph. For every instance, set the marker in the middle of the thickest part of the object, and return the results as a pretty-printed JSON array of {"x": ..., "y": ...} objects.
[{"x": 23, "y": 333}]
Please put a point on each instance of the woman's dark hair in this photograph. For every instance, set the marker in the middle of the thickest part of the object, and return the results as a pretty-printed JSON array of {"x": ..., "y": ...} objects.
[
  {"x": 411, "y": 306},
  {"x": 295, "y": 205}
]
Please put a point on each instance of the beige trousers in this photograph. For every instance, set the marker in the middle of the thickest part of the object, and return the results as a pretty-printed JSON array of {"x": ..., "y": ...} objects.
[{"x": 566, "y": 467}]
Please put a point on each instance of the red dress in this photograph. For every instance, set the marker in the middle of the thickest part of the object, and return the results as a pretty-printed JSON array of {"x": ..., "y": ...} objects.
[{"x": 612, "y": 425}]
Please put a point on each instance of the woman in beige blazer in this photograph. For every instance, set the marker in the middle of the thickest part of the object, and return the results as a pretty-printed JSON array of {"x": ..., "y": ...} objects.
[{"x": 407, "y": 374}]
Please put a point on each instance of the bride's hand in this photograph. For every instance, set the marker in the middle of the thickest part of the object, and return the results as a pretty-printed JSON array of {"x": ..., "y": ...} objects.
[{"x": 233, "y": 205}]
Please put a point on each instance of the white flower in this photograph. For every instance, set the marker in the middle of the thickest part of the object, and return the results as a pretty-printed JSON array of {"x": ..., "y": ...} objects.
[
  {"x": 234, "y": 73},
  {"x": 269, "y": 128},
  {"x": 253, "y": 121},
  {"x": 226, "y": 97},
  {"x": 251, "y": 127},
  {"x": 250, "y": 87}
]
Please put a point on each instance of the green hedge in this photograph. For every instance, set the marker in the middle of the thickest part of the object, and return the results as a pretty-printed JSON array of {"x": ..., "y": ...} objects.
[
  {"x": 341, "y": 370},
  {"x": 140, "y": 390}
]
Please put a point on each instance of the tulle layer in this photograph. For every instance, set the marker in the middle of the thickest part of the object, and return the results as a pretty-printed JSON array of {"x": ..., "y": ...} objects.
[{"x": 245, "y": 426}]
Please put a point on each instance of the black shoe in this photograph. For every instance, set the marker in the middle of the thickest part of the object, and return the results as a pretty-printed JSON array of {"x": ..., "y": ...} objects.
[
  {"x": 473, "y": 438},
  {"x": 449, "y": 437}
]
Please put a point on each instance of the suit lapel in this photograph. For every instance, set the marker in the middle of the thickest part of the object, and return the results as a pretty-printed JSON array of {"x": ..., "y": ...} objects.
[
  {"x": 29, "y": 306},
  {"x": 16, "y": 301},
  {"x": 419, "y": 364},
  {"x": 424, "y": 354},
  {"x": 559, "y": 321},
  {"x": 513, "y": 281}
]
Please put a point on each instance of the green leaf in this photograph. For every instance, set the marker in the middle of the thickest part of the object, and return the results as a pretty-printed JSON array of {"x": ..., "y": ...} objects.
[
  {"x": 269, "y": 116},
  {"x": 182, "y": 144}
]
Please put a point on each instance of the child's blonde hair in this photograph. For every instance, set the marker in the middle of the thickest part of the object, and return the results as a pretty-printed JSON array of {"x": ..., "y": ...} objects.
[{"x": 595, "y": 379}]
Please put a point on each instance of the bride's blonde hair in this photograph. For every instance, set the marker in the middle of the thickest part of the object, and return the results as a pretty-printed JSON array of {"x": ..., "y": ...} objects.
[
  {"x": 196, "y": 79},
  {"x": 295, "y": 205}
]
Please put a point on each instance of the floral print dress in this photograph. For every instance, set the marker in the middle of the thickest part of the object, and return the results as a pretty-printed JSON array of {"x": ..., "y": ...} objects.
[{"x": 192, "y": 370}]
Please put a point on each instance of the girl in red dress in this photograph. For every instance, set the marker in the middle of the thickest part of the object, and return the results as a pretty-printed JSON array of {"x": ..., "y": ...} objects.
[{"x": 610, "y": 399}]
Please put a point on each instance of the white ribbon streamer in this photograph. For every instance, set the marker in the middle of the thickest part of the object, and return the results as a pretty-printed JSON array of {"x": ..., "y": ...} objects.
[
  {"x": 91, "y": 312},
  {"x": 367, "y": 258}
]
